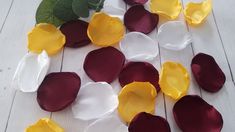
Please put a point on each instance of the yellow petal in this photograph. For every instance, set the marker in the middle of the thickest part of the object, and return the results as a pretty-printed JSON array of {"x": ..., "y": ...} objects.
[
  {"x": 196, "y": 13},
  {"x": 174, "y": 80},
  {"x": 45, "y": 37},
  {"x": 136, "y": 97},
  {"x": 45, "y": 125},
  {"x": 167, "y": 8},
  {"x": 104, "y": 30}
]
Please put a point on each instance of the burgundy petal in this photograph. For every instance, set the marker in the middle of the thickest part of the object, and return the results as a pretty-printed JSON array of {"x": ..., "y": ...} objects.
[
  {"x": 145, "y": 122},
  {"x": 76, "y": 33},
  {"x": 193, "y": 114},
  {"x": 135, "y": 2},
  {"x": 58, "y": 90},
  {"x": 104, "y": 64},
  {"x": 140, "y": 72},
  {"x": 138, "y": 19},
  {"x": 207, "y": 72}
]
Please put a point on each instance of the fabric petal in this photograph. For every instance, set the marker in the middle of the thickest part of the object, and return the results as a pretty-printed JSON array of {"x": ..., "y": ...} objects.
[
  {"x": 136, "y": 2},
  {"x": 138, "y": 19},
  {"x": 139, "y": 72},
  {"x": 113, "y": 11},
  {"x": 94, "y": 101},
  {"x": 193, "y": 114},
  {"x": 58, "y": 90},
  {"x": 138, "y": 47},
  {"x": 173, "y": 35},
  {"x": 207, "y": 72}
]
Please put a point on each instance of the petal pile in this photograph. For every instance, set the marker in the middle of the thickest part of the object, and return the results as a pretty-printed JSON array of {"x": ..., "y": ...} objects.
[
  {"x": 145, "y": 122},
  {"x": 76, "y": 33},
  {"x": 114, "y": 125},
  {"x": 139, "y": 72},
  {"x": 207, "y": 72},
  {"x": 137, "y": 46},
  {"x": 45, "y": 125},
  {"x": 45, "y": 37},
  {"x": 31, "y": 71},
  {"x": 193, "y": 114},
  {"x": 136, "y": 2},
  {"x": 196, "y": 13},
  {"x": 104, "y": 30},
  {"x": 95, "y": 100},
  {"x": 134, "y": 98},
  {"x": 137, "y": 18},
  {"x": 174, "y": 80},
  {"x": 173, "y": 35},
  {"x": 58, "y": 90},
  {"x": 167, "y": 8},
  {"x": 104, "y": 64}
]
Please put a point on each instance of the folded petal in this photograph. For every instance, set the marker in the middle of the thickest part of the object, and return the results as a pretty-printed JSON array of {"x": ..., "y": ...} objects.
[
  {"x": 193, "y": 114},
  {"x": 138, "y": 47},
  {"x": 173, "y": 35},
  {"x": 45, "y": 37},
  {"x": 94, "y": 101},
  {"x": 137, "y": 18},
  {"x": 104, "y": 64},
  {"x": 207, "y": 72},
  {"x": 139, "y": 72},
  {"x": 31, "y": 71},
  {"x": 58, "y": 90},
  {"x": 174, "y": 80},
  {"x": 134, "y": 98}
]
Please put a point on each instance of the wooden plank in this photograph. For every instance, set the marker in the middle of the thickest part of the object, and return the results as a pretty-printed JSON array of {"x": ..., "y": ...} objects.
[
  {"x": 206, "y": 39},
  {"x": 5, "y": 7}
]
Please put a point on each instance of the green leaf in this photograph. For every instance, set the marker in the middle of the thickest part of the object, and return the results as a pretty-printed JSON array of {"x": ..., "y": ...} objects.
[
  {"x": 45, "y": 14},
  {"x": 63, "y": 10},
  {"x": 80, "y": 7},
  {"x": 96, "y": 5}
]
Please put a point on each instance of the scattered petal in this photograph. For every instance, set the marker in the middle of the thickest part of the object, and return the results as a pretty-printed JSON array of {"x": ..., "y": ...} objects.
[
  {"x": 173, "y": 35},
  {"x": 58, "y": 90},
  {"x": 174, "y": 80},
  {"x": 114, "y": 11},
  {"x": 96, "y": 5},
  {"x": 45, "y": 125},
  {"x": 139, "y": 72},
  {"x": 104, "y": 30},
  {"x": 145, "y": 122},
  {"x": 137, "y": 46},
  {"x": 196, "y": 13},
  {"x": 136, "y": 97},
  {"x": 31, "y": 71},
  {"x": 137, "y": 18},
  {"x": 207, "y": 72},
  {"x": 114, "y": 125},
  {"x": 95, "y": 100},
  {"x": 166, "y": 8},
  {"x": 80, "y": 8},
  {"x": 193, "y": 114},
  {"x": 104, "y": 64},
  {"x": 45, "y": 37},
  {"x": 136, "y": 2},
  {"x": 76, "y": 33}
]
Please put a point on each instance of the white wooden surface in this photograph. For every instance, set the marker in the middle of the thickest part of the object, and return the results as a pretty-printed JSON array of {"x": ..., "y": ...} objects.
[{"x": 17, "y": 110}]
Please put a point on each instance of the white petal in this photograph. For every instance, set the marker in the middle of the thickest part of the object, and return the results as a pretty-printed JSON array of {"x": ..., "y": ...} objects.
[
  {"x": 107, "y": 124},
  {"x": 173, "y": 35},
  {"x": 113, "y": 11},
  {"x": 94, "y": 100},
  {"x": 31, "y": 71},
  {"x": 137, "y": 46}
]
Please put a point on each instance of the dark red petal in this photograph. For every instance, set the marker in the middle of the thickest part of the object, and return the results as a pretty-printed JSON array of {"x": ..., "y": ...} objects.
[
  {"x": 104, "y": 64},
  {"x": 76, "y": 33},
  {"x": 207, "y": 72},
  {"x": 58, "y": 90},
  {"x": 145, "y": 122},
  {"x": 140, "y": 72},
  {"x": 135, "y": 2},
  {"x": 193, "y": 114},
  {"x": 138, "y": 19}
]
